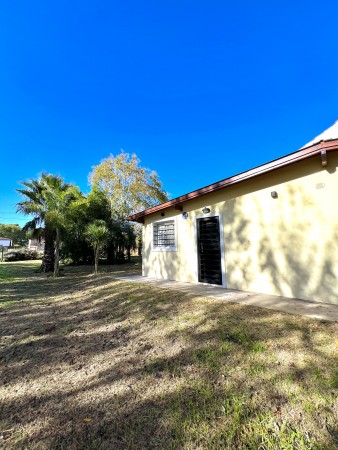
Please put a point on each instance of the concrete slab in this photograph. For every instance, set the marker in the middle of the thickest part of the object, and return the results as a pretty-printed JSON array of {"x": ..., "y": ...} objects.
[{"x": 315, "y": 310}]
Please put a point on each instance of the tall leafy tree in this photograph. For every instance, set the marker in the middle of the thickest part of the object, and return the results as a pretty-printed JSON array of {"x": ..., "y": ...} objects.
[
  {"x": 97, "y": 235},
  {"x": 128, "y": 186}
]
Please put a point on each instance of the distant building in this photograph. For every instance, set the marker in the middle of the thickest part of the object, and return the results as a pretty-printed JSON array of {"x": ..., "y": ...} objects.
[
  {"x": 36, "y": 244},
  {"x": 6, "y": 242}
]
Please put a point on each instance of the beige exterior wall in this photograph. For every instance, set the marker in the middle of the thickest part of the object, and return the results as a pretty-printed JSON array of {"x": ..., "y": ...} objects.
[{"x": 286, "y": 246}]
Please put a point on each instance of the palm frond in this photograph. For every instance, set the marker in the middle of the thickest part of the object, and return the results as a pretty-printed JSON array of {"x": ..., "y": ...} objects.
[{"x": 32, "y": 225}]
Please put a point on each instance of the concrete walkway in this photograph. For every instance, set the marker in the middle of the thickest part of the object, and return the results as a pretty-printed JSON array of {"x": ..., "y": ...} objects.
[{"x": 314, "y": 310}]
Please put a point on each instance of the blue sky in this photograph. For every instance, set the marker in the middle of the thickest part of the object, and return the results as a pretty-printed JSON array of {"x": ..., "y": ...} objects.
[{"x": 199, "y": 90}]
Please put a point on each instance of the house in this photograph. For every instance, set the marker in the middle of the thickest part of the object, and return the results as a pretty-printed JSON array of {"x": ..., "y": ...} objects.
[
  {"x": 36, "y": 244},
  {"x": 6, "y": 242},
  {"x": 272, "y": 229}
]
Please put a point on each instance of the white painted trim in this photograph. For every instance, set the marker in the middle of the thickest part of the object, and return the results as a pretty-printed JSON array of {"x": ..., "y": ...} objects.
[
  {"x": 221, "y": 241},
  {"x": 143, "y": 252},
  {"x": 164, "y": 249}
]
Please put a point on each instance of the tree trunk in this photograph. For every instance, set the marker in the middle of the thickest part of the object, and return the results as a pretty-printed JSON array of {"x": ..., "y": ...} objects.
[
  {"x": 111, "y": 254},
  {"x": 128, "y": 253},
  {"x": 57, "y": 253},
  {"x": 47, "y": 264},
  {"x": 96, "y": 264}
]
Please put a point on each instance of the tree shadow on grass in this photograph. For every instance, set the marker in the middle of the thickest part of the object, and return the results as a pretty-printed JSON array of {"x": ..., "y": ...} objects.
[{"x": 108, "y": 364}]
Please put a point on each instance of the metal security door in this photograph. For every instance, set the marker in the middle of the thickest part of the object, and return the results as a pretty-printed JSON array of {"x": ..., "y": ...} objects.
[{"x": 209, "y": 251}]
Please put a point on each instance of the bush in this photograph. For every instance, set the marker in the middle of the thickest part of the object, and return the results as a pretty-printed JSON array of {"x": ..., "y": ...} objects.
[{"x": 21, "y": 255}]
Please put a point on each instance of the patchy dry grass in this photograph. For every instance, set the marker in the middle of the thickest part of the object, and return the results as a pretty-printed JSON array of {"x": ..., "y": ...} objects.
[{"x": 91, "y": 362}]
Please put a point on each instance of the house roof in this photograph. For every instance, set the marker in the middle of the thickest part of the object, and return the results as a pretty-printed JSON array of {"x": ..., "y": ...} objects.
[
  {"x": 5, "y": 239},
  {"x": 325, "y": 142},
  {"x": 329, "y": 134}
]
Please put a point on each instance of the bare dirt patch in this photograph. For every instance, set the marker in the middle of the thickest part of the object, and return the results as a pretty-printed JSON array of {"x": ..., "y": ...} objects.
[{"x": 94, "y": 362}]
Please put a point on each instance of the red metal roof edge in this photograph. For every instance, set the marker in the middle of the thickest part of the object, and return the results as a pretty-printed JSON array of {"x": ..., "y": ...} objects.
[{"x": 251, "y": 173}]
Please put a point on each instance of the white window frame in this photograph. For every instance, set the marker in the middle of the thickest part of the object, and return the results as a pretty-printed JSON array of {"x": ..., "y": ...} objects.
[{"x": 169, "y": 248}]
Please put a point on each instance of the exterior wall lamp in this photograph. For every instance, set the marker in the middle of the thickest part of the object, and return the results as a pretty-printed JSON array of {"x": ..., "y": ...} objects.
[
  {"x": 205, "y": 210},
  {"x": 274, "y": 194}
]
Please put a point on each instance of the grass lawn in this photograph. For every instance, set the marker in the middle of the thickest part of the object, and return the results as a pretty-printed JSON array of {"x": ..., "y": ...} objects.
[{"x": 91, "y": 362}]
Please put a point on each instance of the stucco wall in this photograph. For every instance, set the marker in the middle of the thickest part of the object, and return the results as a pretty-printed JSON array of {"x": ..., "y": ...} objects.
[{"x": 285, "y": 246}]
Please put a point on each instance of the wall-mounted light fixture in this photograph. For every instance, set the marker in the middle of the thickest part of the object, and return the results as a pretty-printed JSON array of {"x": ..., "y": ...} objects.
[
  {"x": 205, "y": 210},
  {"x": 274, "y": 194},
  {"x": 185, "y": 215},
  {"x": 162, "y": 214}
]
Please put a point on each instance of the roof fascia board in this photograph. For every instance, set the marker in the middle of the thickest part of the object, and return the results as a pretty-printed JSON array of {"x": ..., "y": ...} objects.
[{"x": 256, "y": 171}]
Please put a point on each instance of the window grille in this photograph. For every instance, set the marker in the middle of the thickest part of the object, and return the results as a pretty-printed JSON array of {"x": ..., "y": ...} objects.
[{"x": 164, "y": 234}]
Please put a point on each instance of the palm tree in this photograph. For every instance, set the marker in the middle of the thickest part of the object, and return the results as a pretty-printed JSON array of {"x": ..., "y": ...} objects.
[
  {"x": 97, "y": 235},
  {"x": 47, "y": 200},
  {"x": 35, "y": 205},
  {"x": 58, "y": 198}
]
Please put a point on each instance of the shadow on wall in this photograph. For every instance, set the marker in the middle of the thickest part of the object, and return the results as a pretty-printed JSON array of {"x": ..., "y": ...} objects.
[
  {"x": 238, "y": 261},
  {"x": 282, "y": 247},
  {"x": 297, "y": 256},
  {"x": 326, "y": 288},
  {"x": 161, "y": 265},
  {"x": 285, "y": 253},
  {"x": 282, "y": 250}
]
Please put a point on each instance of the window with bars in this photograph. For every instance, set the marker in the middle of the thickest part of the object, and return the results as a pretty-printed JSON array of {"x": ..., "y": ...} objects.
[{"x": 164, "y": 235}]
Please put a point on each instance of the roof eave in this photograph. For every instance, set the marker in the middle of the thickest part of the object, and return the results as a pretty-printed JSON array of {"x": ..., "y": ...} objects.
[{"x": 299, "y": 155}]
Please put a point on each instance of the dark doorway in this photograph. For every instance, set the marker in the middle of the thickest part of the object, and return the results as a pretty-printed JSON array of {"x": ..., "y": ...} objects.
[{"x": 209, "y": 251}]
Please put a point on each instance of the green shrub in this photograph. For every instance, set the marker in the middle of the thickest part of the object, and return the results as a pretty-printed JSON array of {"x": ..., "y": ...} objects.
[{"x": 21, "y": 255}]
